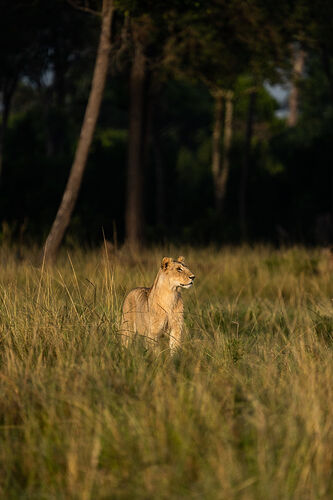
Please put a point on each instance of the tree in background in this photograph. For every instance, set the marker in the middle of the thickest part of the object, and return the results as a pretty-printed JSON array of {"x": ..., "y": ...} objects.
[
  {"x": 71, "y": 192},
  {"x": 298, "y": 57},
  {"x": 312, "y": 30},
  {"x": 196, "y": 51},
  {"x": 217, "y": 43},
  {"x": 243, "y": 182},
  {"x": 20, "y": 50},
  {"x": 194, "y": 55},
  {"x": 221, "y": 160},
  {"x": 147, "y": 38},
  {"x": 134, "y": 216}
]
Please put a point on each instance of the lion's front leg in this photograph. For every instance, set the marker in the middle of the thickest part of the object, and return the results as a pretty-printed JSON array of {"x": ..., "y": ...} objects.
[
  {"x": 175, "y": 338},
  {"x": 127, "y": 330},
  {"x": 128, "y": 323}
]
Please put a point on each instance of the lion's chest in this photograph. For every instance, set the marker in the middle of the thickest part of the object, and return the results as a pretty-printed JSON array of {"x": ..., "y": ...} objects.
[
  {"x": 157, "y": 320},
  {"x": 157, "y": 316}
]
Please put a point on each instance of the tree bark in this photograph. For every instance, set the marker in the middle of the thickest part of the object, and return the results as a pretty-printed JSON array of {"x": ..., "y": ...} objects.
[
  {"x": 153, "y": 134},
  {"x": 221, "y": 162},
  {"x": 135, "y": 160},
  {"x": 71, "y": 192},
  {"x": 160, "y": 180},
  {"x": 246, "y": 166},
  {"x": 298, "y": 64},
  {"x": 216, "y": 145}
]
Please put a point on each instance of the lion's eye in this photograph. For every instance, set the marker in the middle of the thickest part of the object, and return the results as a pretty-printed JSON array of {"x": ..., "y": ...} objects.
[{"x": 179, "y": 269}]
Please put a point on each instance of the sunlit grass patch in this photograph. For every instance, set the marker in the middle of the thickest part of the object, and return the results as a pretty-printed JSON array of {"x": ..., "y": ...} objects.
[{"x": 243, "y": 410}]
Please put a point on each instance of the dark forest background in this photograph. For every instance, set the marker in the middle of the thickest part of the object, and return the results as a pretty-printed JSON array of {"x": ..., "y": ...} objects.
[{"x": 207, "y": 72}]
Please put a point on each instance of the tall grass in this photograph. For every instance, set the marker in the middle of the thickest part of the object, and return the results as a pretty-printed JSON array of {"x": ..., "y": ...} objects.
[{"x": 243, "y": 411}]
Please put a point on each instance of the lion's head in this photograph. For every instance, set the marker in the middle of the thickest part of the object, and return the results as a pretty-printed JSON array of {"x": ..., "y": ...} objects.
[{"x": 177, "y": 273}]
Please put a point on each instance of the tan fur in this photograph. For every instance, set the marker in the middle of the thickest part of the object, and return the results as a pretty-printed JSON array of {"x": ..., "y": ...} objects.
[{"x": 157, "y": 311}]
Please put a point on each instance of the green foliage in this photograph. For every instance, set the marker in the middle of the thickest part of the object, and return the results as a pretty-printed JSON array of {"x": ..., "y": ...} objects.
[
  {"x": 110, "y": 137},
  {"x": 192, "y": 49}
]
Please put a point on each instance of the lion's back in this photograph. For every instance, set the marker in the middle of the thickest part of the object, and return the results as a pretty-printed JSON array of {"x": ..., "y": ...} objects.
[
  {"x": 135, "y": 309},
  {"x": 135, "y": 301}
]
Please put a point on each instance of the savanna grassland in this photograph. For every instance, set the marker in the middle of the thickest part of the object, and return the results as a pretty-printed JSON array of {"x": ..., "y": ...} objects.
[{"x": 243, "y": 411}]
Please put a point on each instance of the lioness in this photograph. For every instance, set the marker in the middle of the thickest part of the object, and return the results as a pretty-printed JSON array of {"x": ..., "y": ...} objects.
[{"x": 157, "y": 311}]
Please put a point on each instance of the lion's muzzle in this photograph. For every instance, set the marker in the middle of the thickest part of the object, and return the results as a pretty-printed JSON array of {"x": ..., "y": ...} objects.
[{"x": 188, "y": 285}]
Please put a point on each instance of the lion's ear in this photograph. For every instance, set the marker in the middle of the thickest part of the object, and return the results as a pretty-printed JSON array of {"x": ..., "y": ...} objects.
[
  {"x": 165, "y": 262},
  {"x": 181, "y": 259}
]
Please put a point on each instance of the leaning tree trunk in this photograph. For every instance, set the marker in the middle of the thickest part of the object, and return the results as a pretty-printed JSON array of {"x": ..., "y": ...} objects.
[
  {"x": 135, "y": 161},
  {"x": 221, "y": 162},
  {"x": 246, "y": 166},
  {"x": 298, "y": 64},
  {"x": 71, "y": 192}
]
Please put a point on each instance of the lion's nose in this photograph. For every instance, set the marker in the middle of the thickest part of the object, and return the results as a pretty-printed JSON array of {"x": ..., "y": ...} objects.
[{"x": 192, "y": 277}]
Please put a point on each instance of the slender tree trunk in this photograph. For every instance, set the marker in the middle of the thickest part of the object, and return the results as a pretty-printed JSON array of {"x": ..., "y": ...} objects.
[
  {"x": 135, "y": 161},
  {"x": 298, "y": 64},
  {"x": 221, "y": 163},
  {"x": 155, "y": 133},
  {"x": 246, "y": 166},
  {"x": 216, "y": 146},
  {"x": 71, "y": 192},
  {"x": 160, "y": 180},
  {"x": 148, "y": 113},
  {"x": 227, "y": 142}
]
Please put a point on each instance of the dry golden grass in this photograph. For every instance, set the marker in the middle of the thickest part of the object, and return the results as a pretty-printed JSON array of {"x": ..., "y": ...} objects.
[{"x": 243, "y": 411}]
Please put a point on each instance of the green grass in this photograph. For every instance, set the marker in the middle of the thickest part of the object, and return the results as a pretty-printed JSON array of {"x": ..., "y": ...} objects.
[{"x": 243, "y": 411}]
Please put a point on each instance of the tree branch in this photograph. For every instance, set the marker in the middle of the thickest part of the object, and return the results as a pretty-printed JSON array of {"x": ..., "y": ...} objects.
[{"x": 74, "y": 4}]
